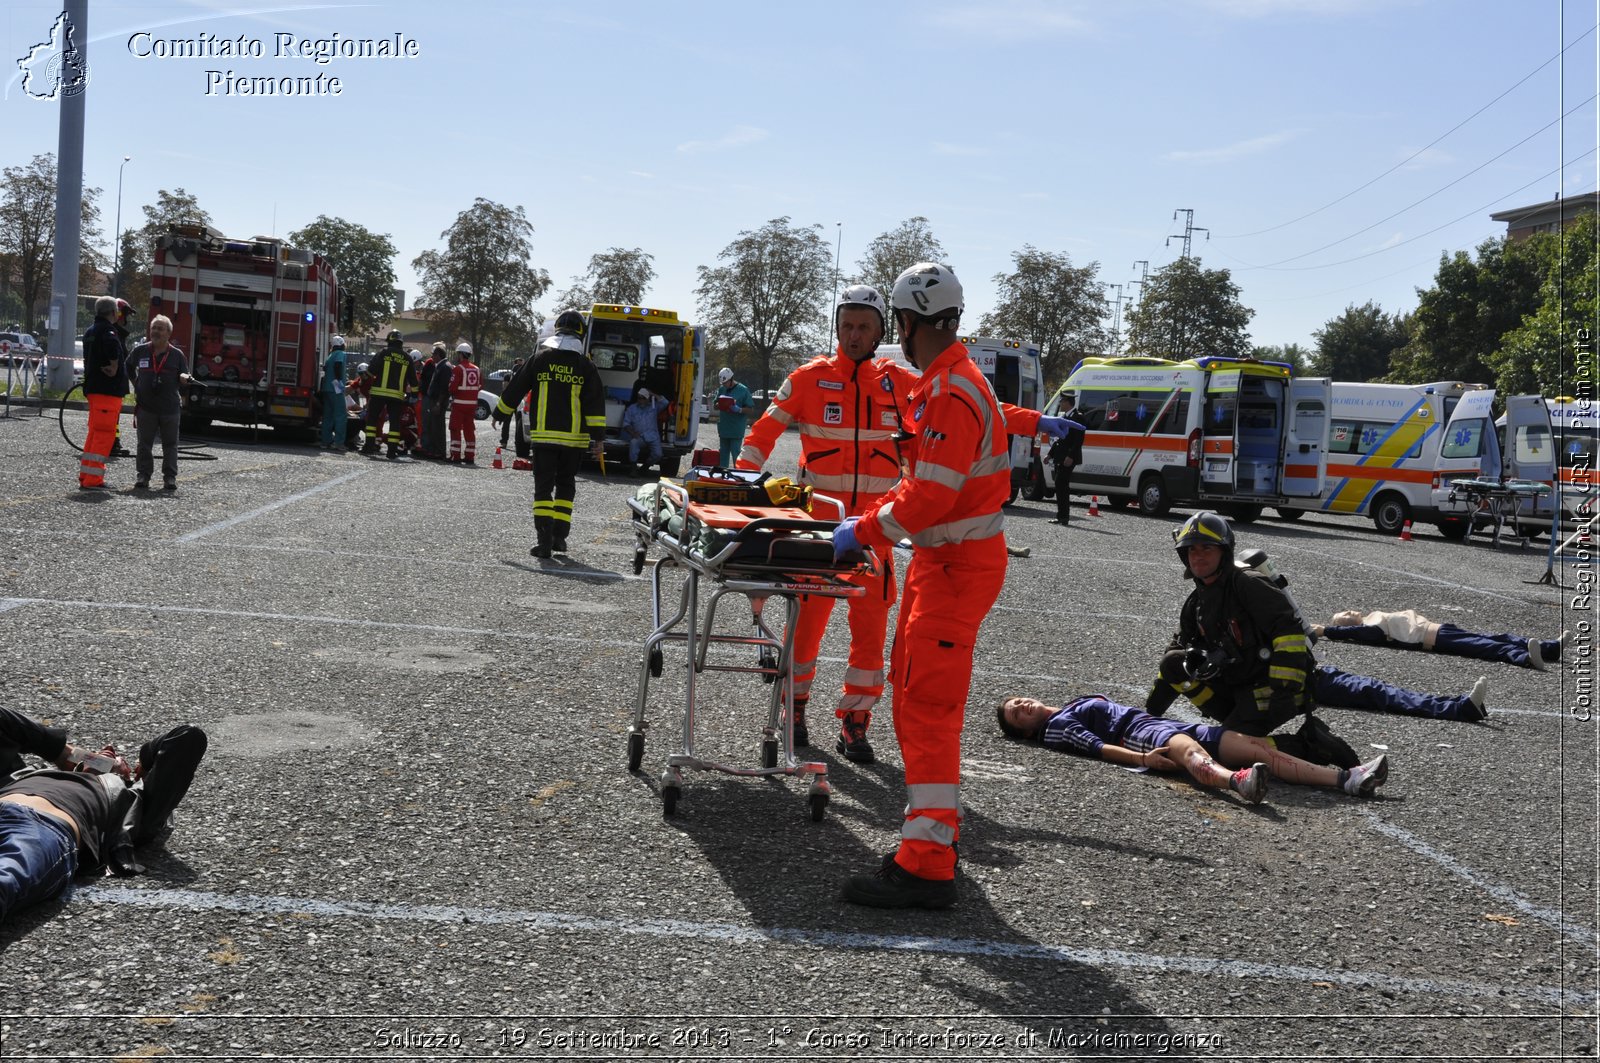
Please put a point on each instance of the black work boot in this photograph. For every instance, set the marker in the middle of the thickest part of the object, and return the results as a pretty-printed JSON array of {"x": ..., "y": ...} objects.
[
  {"x": 802, "y": 737},
  {"x": 852, "y": 740},
  {"x": 892, "y": 886}
]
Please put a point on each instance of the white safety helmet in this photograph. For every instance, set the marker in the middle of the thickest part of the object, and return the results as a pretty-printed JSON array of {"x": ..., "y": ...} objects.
[
  {"x": 416, "y": 355},
  {"x": 363, "y": 368},
  {"x": 644, "y": 393},
  {"x": 928, "y": 289},
  {"x": 337, "y": 341},
  {"x": 561, "y": 341},
  {"x": 463, "y": 348},
  {"x": 724, "y": 375},
  {"x": 861, "y": 295}
]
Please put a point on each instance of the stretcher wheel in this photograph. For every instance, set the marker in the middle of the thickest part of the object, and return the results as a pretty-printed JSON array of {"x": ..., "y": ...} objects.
[
  {"x": 635, "y": 751},
  {"x": 769, "y": 752},
  {"x": 769, "y": 662},
  {"x": 818, "y": 802},
  {"x": 638, "y": 561},
  {"x": 669, "y": 800},
  {"x": 655, "y": 662}
]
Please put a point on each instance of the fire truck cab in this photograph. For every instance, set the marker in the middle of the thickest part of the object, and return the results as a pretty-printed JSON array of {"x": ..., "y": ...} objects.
[{"x": 254, "y": 317}]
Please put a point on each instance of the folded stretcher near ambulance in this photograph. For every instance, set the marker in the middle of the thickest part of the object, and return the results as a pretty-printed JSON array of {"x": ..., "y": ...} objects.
[{"x": 750, "y": 535}]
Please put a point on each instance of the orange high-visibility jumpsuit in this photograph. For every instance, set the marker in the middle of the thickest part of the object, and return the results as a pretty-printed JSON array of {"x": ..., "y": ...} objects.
[
  {"x": 102, "y": 348},
  {"x": 949, "y": 505},
  {"x": 848, "y": 413}
]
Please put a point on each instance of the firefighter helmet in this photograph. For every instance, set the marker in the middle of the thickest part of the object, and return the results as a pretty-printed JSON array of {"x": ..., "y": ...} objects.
[
  {"x": 464, "y": 348},
  {"x": 394, "y": 337},
  {"x": 861, "y": 295},
  {"x": 928, "y": 289},
  {"x": 562, "y": 342},
  {"x": 337, "y": 341},
  {"x": 1206, "y": 528},
  {"x": 124, "y": 309},
  {"x": 569, "y": 322}
]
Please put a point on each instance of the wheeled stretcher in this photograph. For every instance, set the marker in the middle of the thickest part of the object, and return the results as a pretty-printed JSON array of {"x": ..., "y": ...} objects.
[
  {"x": 1500, "y": 501},
  {"x": 727, "y": 528}
]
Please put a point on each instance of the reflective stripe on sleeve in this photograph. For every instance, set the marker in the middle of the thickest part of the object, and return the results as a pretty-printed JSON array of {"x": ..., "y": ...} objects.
[{"x": 983, "y": 526}]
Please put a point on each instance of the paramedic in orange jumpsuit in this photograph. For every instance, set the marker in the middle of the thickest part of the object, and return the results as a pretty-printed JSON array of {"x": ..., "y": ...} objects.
[
  {"x": 105, "y": 385},
  {"x": 949, "y": 504}
]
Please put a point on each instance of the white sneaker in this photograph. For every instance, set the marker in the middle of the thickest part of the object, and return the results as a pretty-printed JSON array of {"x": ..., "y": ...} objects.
[
  {"x": 1479, "y": 696},
  {"x": 1365, "y": 778},
  {"x": 1536, "y": 653},
  {"x": 1566, "y": 643},
  {"x": 1250, "y": 783}
]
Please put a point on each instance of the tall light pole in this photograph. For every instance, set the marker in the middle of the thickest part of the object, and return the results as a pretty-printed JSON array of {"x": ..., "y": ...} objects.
[
  {"x": 838, "y": 243},
  {"x": 116, "y": 278}
]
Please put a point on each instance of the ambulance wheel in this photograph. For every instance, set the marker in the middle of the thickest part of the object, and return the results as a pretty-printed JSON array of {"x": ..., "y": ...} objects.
[
  {"x": 769, "y": 752},
  {"x": 1153, "y": 499},
  {"x": 656, "y": 662},
  {"x": 635, "y": 751},
  {"x": 670, "y": 465},
  {"x": 1290, "y": 514},
  {"x": 669, "y": 800},
  {"x": 819, "y": 803},
  {"x": 1245, "y": 514},
  {"x": 1390, "y": 513},
  {"x": 1015, "y": 492},
  {"x": 1037, "y": 492}
]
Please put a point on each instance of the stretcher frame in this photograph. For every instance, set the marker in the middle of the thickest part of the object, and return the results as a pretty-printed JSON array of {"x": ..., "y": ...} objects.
[
  {"x": 1500, "y": 500},
  {"x": 757, "y": 580}
]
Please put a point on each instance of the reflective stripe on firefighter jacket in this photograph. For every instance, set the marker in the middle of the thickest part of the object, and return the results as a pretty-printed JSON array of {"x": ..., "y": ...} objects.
[
  {"x": 393, "y": 375},
  {"x": 848, "y": 413},
  {"x": 567, "y": 401},
  {"x": 962, "y": 471}
]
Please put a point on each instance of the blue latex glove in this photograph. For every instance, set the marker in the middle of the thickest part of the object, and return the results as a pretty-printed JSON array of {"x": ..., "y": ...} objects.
[
  {"x": 1056, "y": 427},
  {"x": 844, "y": 538}
]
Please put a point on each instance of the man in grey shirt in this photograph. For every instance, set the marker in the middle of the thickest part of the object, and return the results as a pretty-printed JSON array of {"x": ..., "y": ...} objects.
[{"x": 158, "y": 370}]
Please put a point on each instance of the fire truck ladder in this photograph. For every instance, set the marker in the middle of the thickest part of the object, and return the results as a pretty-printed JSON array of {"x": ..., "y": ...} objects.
[{"x": 286, "y": 336}]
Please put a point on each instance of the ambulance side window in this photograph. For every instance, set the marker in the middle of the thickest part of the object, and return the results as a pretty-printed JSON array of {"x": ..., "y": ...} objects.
[
  {"x": 1175, "y": 422},
  {"x": 1342, "y": 437},
  {"x": 1464, "y": 439},
  {"x": 1091, "y": 411}
]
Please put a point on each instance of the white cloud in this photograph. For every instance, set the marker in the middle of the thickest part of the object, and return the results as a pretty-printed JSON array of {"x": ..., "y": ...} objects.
[
  {"x": 738, "y": 137},
  {"x": 1012, "y": 20},
  {"x": 1238, "y": 149},
  {"x": 642, "y": 173},
  {"x": 969, "y": 151}
]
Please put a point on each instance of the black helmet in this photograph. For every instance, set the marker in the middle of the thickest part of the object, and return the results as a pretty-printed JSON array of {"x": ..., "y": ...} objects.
[
  {"x": 394, "y": 336},
  {"x": 1208, "y": 528},
  {"x": 570, "y": 322}
]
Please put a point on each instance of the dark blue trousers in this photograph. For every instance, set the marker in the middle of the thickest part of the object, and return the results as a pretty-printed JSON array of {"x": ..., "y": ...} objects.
[
  {"x": 1507, "y": 649},
  {"x": 1341, "y": 690}
]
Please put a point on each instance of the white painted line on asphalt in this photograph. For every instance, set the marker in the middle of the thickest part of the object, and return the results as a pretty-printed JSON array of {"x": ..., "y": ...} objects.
[
  {"x": 268, "y": 508},
  {"x": 734, "y": 934},
  {"x": 8, "y": 604},
  {"x": 422, "y": 559},
  {"x": 1406, "y": 572},
  {"x": 1574, "y": 932},
  {"x": 337, "y": 621}
]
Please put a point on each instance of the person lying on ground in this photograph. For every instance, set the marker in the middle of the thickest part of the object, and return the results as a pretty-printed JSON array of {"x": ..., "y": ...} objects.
[
  {"x": 1214, "y": 756},
  {"x": 1410, "y": 630},
  {"x": 87, "y": 810}
]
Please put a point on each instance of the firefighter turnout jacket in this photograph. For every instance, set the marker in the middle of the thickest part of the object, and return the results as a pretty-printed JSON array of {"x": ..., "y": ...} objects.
[
  {"x": 566, "y": 399},
  {"x": 394, "y": 377},
  {"x": 1256, "y": 645}
]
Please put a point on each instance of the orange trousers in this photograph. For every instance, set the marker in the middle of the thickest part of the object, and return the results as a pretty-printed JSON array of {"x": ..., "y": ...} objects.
[
  {"x": 104, "y": 413},
  {"x": 869, "y": 628},
  {"x": 948, "y": 592}
]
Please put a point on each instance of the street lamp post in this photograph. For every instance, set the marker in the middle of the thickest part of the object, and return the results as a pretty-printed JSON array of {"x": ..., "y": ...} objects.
[
  {"x": 838, "y": 243},
  {"x": 116, "y": 278}
]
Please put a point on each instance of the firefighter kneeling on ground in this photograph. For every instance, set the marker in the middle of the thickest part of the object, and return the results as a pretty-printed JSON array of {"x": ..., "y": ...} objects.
[{"x": 567, "y": 414}]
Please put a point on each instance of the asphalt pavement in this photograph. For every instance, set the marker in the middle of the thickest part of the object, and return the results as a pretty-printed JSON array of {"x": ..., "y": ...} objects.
[{"x": 415, "y": 834}]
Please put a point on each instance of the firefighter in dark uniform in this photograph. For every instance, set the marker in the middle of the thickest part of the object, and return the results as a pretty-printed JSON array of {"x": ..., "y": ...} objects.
[
  {"x": 567, "y": 416},
  {"x": 394, "y": 378},
  {"x": 1241, "y": 655}
]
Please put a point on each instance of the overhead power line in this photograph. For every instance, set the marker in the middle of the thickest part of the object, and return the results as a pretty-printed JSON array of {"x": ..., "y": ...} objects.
[
  {"x": 1430, "y": 195},
  {"x": 1418, "y": 152}
]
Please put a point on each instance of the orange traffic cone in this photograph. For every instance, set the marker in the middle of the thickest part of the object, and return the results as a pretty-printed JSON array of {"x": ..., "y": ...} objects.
[
  {"x": 1094, "y": 505},
  {"x": 499, "y": 461},
  {"x": 1405, "y": 533}
]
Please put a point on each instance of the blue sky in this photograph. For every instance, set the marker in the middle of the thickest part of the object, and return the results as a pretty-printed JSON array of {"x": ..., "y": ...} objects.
[{"x": 1074, "y": 127}]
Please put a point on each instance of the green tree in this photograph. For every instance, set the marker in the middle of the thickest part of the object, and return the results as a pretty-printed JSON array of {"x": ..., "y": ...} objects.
[
  {"x": 364, "y": 262},
  {"x": 614, "y": 276},
  {"x": 177, "y": 207},
  {"x": 28, "y": 233},
  {"x": 1057, "y": 305},
  {"x": 1293, "y": 353},
  {"x": 767, "y": 291},
  {"x": 1474, "y": 301},
  {"x": 1186, "y": 311},
  {"x": 482, "y": 285},
  {"x": 891, "y": 253},
  {"x": 1357, "y": 345},
  {"x": 1541, "y": 355}
]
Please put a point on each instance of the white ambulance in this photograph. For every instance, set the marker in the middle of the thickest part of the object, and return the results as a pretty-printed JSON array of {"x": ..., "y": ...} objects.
[
  {"x": 1557, "y": 447},
  {"x": 1234, "y": 434},
  {"x": 1394, "y": 450},
  {"x": 1015, "y": 371}
]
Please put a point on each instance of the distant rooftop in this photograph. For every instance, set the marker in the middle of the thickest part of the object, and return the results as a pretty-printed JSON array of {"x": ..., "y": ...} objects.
[{"x": 1545, "y": 217}]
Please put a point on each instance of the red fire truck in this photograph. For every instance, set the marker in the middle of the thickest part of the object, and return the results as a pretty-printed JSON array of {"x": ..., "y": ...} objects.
[{"x": 254, "y": 316}]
